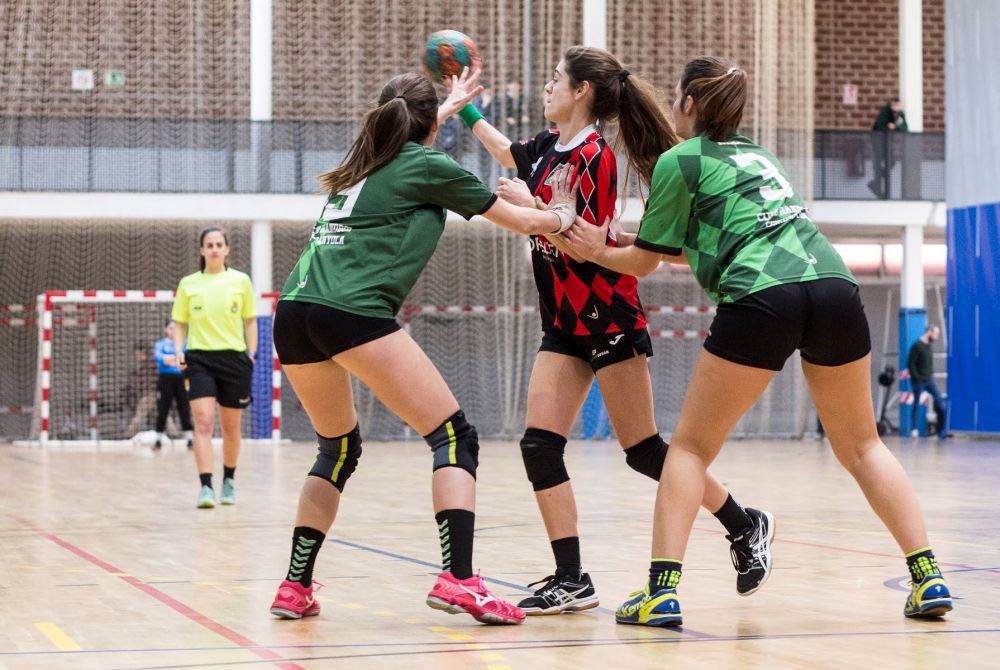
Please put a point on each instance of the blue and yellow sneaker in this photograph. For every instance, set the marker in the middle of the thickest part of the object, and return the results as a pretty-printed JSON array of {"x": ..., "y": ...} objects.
[
  {"x": 642, "y": 609},
  {"x": 930, "y": 599}
]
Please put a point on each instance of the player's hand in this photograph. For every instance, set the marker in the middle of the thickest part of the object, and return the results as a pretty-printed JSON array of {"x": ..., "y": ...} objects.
[
  {"x": 587, "y": 240},
  {"x": 564, "y": 186},
  {"x": 516, "y": 192},
  {"x": 181, "y": 361},
  {"x": 461, "y": 90},
  {"x": 170, "y": 360}
]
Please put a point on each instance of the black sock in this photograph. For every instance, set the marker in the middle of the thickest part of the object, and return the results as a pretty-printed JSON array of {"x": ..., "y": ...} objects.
[
  {"x": 228, "y": 472},
  {"x": 922, "y": 563},
  {"x": 733, "y": 517},
  {"x": 456, "y": 527},
  {"x": 567, "y": 553},
  {"x": 206, "y": 479},
  {"x": 663, "y": 574},
  {"x": 305, "y": 547}
]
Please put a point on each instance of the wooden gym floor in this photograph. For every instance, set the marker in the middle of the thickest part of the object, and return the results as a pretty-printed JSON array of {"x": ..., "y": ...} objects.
[{"x": 106, "y": 563}]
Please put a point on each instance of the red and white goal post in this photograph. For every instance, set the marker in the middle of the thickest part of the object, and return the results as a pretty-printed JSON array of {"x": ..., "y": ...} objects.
[{"x": 95, "y": 369}]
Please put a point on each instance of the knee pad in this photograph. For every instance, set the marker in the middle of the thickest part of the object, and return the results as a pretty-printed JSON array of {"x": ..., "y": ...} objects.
[
  {"x": 542, "y": 452},
  {"x": 455, "y": 444},
  {"x": 648, "y": 456},
  {"x": 337, "y": 458}
]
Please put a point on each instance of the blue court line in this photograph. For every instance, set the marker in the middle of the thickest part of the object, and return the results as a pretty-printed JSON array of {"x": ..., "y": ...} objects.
[
  {"x": 510, "y": 585},
  {"x": 896, "y": 583},
  {"x": 565, "y": 644}
]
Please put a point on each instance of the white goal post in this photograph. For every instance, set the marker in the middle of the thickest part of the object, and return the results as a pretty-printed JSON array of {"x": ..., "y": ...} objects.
[{"x": 95, "y": 370}]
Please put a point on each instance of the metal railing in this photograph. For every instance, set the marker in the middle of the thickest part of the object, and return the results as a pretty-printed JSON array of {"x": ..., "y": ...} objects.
[{"x": 240, "y": 156}]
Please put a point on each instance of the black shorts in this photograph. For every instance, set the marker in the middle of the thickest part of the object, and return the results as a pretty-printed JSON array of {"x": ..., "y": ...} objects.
[
  {"x": 824, "y": 318},
  {"x": 223, "y": 375},
  {"x": 307, "y": 332},
  {"x": 598, "y": 350}
]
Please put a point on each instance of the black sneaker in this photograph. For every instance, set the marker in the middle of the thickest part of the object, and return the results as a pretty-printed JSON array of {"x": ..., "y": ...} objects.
[
  {"x": 561, "y": 593},
  {"x": 157, "y": 444},
  {"x": 751, "y": 552}
]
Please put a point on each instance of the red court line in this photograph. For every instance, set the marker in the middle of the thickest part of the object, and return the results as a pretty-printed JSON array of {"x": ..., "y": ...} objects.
[{"x": 176, "y": 605}]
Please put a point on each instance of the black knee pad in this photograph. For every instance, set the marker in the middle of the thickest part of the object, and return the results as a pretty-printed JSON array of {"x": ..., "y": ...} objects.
[
  {"x": 337, "y": 458},
  {"x": 648, "y": 456},
  {"x": 542, "y": 452},
  {"x": 455, "y": 444}
]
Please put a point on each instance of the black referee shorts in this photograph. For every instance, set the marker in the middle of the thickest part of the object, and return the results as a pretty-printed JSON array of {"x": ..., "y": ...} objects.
[
  {"x": 306, "y": 332},
  {"x": 599, "y": 351},
  {"x": 823, "y": 318},
  {"x": 223, "y": 375}
]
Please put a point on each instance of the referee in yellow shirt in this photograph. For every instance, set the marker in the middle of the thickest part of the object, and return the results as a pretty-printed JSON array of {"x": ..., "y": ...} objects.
[{"x": 214, "y": 309}]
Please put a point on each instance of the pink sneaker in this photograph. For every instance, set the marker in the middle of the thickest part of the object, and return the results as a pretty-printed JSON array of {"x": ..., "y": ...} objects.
[
  {"x": 470, "y": 596},
  {"x": 295, "y": 601}
]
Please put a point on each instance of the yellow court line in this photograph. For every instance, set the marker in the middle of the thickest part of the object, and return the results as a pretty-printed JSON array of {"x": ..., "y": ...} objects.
[
  {"x": 56, "y": 636},
  {"x": 497, "y": 667},
  {"x": 354, "y": 606},
  {"x": 439, "y": 629},
  {"x": 460, "y": 637},
  {"x": 385, "y": 613},
  {"x": 879, "y": 533},
  {"x": 491, "y": 657},
  {"x": 414, "y": 620}
]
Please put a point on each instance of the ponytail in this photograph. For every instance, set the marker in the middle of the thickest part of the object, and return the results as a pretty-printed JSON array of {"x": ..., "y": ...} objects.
[
  {"x": 634, "y": 103},
  {"x": 406, "y": 111},
  {"x": 719, "y": 89}
]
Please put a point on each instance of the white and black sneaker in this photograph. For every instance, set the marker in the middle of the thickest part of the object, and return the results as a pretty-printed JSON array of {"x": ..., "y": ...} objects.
[
  {"x": 561, "y": 593},
  {"x": 751, "y": 552}
]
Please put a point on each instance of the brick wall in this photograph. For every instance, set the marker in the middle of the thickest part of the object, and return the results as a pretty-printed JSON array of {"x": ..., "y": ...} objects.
[{"x": 857, "y": 42}]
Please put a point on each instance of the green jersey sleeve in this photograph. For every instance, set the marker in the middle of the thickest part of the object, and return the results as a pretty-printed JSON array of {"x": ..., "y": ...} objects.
[
  {"x": 180, "y": 312},
  {"x": 451, "y": 187},
  {"x": 664, "y": 224}
]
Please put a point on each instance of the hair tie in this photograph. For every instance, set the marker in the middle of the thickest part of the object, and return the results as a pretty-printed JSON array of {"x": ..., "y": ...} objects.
[
  {"x": 732, "y": 70},
  {"x": 623, "y": 76}
]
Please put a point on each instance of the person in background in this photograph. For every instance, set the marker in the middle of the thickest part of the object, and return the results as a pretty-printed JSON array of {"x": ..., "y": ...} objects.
[
  {"x": 891, "y": 119},
  {"x": 920, "y": 363},
  {"x": 170, "y": 387}
]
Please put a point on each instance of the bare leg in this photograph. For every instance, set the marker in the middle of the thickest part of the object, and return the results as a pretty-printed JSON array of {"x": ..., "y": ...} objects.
[
  {"x": 556, "y": 391},
  {"x": 628, "y": 396},
  {"x": 229, "y": 421},
  {"x": 707, "y": 417},
  {"x": 843, "y": 399},
  {"x": 203, "y": 414}
]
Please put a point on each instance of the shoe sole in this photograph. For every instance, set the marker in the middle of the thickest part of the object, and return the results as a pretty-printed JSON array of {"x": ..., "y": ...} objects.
[
  {"x": 666, "y": 622},
  {"x": 289, "y": 614},
  {"x": 486, "y": 617},
  {"x": 771, "y": 532},
  {"x": 580, "y": 606},
  {"x": 227, "y": 502},
  {"x": 932, "y": 611},
  {"x": 206, "y": 505}
]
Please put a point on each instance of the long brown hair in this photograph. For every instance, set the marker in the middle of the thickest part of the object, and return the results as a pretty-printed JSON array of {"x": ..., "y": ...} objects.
[
  {"x": 719, "y": 89},
  {"x": 406, "y": 111},
  {"x": 622, "y": 96}
]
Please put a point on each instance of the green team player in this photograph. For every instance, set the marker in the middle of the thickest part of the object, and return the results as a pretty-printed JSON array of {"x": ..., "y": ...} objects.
[
  {"x": 725, "y": 206},
  {"x": 336, "y": 318}
]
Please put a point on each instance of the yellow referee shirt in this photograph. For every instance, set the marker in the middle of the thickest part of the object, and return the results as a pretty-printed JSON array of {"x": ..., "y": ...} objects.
[{"x": 213, "y": 306}]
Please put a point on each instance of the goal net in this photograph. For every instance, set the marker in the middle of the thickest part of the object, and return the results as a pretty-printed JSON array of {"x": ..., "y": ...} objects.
[{"x": 96, "y": 379}]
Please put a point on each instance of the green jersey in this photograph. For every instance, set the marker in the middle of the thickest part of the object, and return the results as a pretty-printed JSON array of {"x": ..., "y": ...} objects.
[
  {"x": 373, "y": 240},
  {"x": 731, "y": 208}
]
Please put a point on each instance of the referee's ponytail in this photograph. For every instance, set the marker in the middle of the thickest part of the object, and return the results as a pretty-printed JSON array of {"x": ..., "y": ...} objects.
[
  {"x": 406, "y": 111},
  {"x": 621, "y": 96}
]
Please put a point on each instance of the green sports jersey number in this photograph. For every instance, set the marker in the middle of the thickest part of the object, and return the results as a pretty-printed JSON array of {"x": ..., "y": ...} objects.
[{"x": 777, "y": 187}]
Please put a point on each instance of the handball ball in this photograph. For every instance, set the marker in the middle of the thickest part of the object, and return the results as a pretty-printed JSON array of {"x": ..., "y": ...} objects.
[{"x": 446, "y": 53}]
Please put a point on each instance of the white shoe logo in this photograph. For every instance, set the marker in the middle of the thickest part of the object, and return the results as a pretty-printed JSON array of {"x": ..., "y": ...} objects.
[
  {"x": 594, "y": 314},
  {"x": 480, "y": 599},
  {"x": 616, "y": 338}
]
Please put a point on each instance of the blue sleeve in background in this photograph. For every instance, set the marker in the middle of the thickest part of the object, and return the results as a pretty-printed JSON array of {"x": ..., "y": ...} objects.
[{"x": 162, "y": 349}]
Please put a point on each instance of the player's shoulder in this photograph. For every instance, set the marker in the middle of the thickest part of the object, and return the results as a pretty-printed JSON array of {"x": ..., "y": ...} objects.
[{"x": 595, "y": 145}]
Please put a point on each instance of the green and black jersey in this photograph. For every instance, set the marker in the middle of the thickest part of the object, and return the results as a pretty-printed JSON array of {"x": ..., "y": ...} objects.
[
  {"x": 731, "y": 208},
  {"x": 373, "y": 240}
]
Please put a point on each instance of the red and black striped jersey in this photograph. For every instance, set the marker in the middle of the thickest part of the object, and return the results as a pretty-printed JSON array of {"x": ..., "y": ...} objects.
[{"x": 581, "y": 298}]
